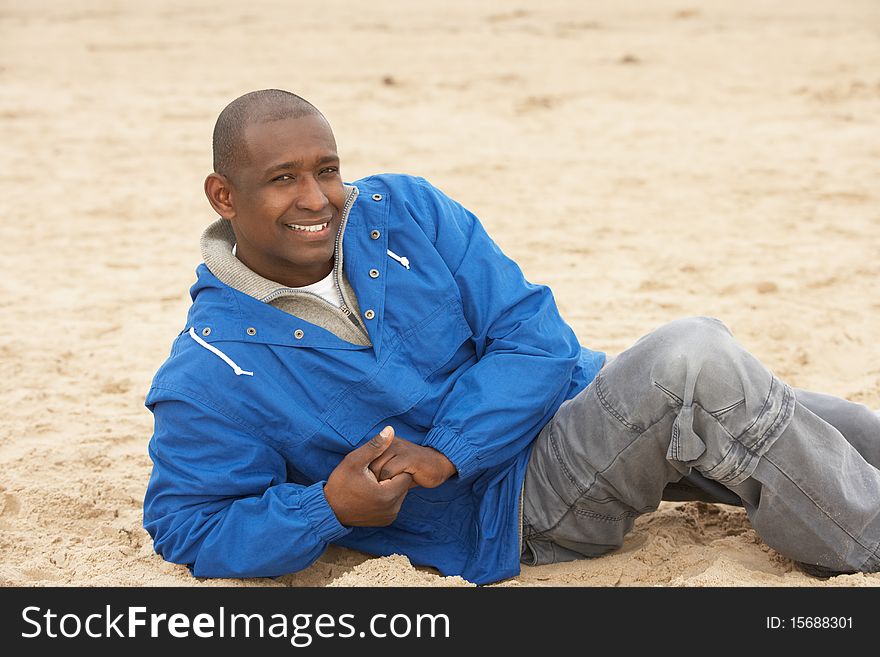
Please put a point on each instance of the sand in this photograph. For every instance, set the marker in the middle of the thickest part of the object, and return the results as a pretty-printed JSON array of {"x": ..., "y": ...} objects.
[{"x": 648, "y": 160}]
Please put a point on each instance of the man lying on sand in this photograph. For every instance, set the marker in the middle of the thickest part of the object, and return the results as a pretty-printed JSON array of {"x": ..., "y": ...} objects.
[{"x": 362, "y": 365}]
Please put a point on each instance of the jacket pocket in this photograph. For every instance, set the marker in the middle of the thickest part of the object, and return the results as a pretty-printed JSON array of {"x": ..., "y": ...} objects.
[
  {"x": 384, "y": 395},
  {"x": 433, "y": 341}
]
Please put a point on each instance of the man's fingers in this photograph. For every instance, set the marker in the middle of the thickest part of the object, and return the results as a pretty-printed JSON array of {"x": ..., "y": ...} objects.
[
  {"x": 374, "y": 447},
  {"x": 379, "y": 464},
  {"x": 399, "y": 484}
]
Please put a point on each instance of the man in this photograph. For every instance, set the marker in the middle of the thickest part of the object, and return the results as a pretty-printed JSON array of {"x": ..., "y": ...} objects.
[{"x": 361, "y": 365}]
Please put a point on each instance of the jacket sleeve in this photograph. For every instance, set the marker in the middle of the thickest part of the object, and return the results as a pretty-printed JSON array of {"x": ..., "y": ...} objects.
[
  {"x": 526, "y": 352},
  {"x": 218, "y": 499}
]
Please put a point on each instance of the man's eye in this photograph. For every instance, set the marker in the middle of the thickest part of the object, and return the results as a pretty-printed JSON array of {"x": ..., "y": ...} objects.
[
  {"x": 330, "y": 170},
  {"x": 283, "y": 176}
]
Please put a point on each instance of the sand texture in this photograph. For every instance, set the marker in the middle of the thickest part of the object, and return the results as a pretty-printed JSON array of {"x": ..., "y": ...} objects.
[{"x": 648, "y": 160}]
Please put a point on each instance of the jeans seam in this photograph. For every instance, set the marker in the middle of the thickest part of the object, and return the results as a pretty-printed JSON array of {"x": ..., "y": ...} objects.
[
  {"x": 721, "y": 411},
  {"x": 607, "y": 406},
  {"x": 600, "y": 516},
  {"x": 718, "y": 422},
  {"x": 873, "y": 557},
  {"x": 855, "y": 540},
  {"x": 787, "y": 401},
  {"x": 763, "y": 407},
  {"x": 557, "y": 453},
  {"x": 675, "y": 444},
  {"x": 708, "y": 472},
  {"x": 678, "y": 400}
]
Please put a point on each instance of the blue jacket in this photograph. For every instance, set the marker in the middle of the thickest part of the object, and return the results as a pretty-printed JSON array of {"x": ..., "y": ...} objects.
[{"x": 467, "y": 357}]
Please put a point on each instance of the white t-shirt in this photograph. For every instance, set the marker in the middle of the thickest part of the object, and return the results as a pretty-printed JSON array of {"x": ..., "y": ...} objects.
[{"x": 325, "y": 288}]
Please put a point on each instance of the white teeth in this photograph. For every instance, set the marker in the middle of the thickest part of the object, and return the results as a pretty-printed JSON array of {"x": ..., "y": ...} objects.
[{"x": 308, "y": 229}]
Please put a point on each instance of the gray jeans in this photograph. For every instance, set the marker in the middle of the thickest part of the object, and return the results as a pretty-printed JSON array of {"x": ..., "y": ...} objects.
[{"x": 687, "y": 413}]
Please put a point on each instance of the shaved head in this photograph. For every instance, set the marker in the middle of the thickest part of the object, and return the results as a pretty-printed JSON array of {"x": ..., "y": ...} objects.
[{"x": 230, "y": 150}]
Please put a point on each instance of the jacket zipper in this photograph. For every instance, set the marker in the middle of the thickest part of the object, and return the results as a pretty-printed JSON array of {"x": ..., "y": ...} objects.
[{"x": 352, "y": 195}]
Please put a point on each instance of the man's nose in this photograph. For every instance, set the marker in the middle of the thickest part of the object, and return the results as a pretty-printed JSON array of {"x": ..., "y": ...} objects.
[{"x": 311, "y": 196}]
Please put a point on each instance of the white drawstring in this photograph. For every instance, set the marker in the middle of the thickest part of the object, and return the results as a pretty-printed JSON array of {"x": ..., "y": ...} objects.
[
  {"x": 404, "y": 260},
  {"x": 238, "y": 371}
]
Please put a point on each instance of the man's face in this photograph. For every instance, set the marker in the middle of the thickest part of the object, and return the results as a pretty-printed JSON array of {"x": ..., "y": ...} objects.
[{"x": 287, "y": 200}]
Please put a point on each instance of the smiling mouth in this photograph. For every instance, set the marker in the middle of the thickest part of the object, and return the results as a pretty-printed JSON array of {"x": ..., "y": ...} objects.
[{"x": 314, "y": 228}]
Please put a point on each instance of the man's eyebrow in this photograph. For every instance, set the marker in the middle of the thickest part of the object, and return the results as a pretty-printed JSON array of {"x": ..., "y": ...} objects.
[{"x": 297, "y": 164}]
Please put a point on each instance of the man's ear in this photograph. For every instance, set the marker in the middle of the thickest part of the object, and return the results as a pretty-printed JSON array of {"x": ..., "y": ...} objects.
[{"x": 218, "y": 189}]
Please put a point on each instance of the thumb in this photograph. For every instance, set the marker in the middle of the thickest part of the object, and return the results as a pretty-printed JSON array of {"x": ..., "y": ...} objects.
[{"x": 374, "y": 447}]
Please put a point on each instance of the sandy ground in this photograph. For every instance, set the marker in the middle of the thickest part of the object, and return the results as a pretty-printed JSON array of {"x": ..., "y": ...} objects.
[{"x": 648, "y": 160}]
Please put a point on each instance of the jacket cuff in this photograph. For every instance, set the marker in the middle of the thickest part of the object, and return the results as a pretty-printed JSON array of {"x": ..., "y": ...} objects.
[
  {"x": 454, "y": 447},
  {"x": 320, "y": 514}
]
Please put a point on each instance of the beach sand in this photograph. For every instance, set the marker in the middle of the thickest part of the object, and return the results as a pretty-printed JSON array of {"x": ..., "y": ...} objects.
[{"x": 648, "y": 160}]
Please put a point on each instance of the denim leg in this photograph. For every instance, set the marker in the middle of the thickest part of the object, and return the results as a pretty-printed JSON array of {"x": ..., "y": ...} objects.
[
  {"x": 688, "y": 397},
  {"x": 858, "y": 424}
]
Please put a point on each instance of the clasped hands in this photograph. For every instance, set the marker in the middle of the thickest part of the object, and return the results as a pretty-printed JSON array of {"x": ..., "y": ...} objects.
[{"x": 368, "y": 487}]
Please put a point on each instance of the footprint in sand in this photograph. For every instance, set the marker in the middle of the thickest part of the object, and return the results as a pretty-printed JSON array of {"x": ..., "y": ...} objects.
[
  {"x": 116, "y": 387},
  {"x": 9, "y": 505},
  {"x": 538, "y": 103},
  {"x": 508, "y": 16},
  {"x": 686, "y": 13}
]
